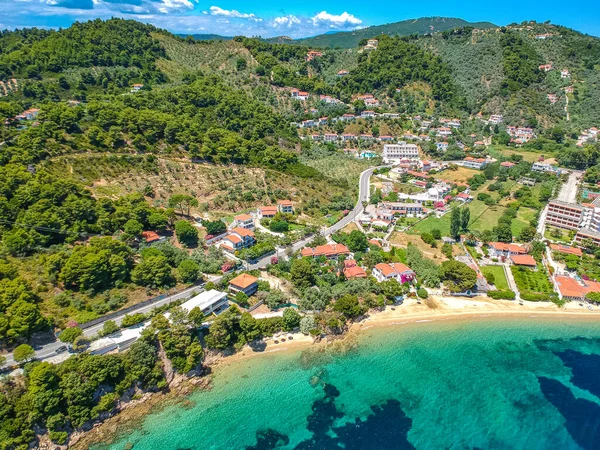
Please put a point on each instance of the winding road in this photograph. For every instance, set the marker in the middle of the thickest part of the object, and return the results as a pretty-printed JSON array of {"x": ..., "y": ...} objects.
[{"x": 49, "y": 350}]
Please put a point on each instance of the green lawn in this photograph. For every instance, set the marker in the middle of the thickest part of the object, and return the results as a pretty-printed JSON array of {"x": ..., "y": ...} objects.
[
  {"x": 564, "y": 235},
  {"x": 500, "y": 280},
  {"x": 483, "y": 217}
]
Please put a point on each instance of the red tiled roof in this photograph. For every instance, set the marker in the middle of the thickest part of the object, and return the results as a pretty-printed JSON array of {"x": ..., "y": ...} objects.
[
  {"x": 268, "y": 210},
  {"x": 233, "y": 238},
  {"x": 326, "y": 250},
  {"x": 242, "y": 231},
  {"x": 355, "y": 272},
  {"x": 503, "y": 247},
  {"x": 243, "y": 281},
  {"x": 388, "y": 269},
  {"x": 243, "y": 217},
  {"x": 566, "y": 249},
  {"x": 150, "y": 236},
  {"x": 286, "y": 202},
  {"x": 523, "y": 260}
]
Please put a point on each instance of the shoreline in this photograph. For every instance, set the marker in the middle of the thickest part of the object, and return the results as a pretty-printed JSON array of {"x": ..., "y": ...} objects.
[{"x": 446, "y": 309}]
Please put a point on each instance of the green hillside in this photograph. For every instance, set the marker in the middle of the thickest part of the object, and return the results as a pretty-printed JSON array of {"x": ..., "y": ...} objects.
[{"x": 420, "y": 26}]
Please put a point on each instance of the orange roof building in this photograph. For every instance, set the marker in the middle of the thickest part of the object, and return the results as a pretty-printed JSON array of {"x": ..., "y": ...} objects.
[
  {"x": 150, "y": 236},
  {"x": 244, "y": 283},
  {"x": 398, "y": 271},
  {"x": 267, "y": 211},
  {"x": 504, "y": 249},
  {"x": 566, "y": 249},
  {"x": 523, "y": 260},
  {"x": 355, "y": 272},
  {"x": 328, "y": 250},
  {"x": 571, "y": 289}
]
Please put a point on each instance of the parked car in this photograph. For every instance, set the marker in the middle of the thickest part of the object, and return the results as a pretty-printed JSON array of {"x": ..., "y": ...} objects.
[{"x": 61, "y": 349}]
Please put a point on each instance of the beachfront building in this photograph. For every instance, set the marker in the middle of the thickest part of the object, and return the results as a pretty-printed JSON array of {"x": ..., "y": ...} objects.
[
  {"x": 393, "y": 271},
  {"x": 327, "y": 250},
  {"x": 243, "y": 221},
  {"x": 245, "y": 283},
  {"x": 393, "y": 153},
  {"x": 209, "y": 302},
  {"x": 574, "y": 290}
]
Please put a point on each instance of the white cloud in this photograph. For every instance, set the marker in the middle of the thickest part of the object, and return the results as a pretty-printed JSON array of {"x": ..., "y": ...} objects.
[
  {"x": 216, "y": 11},
  {"x": 176, "y": 4},
  {"x": 343, "y": 20},
  {"x": 286, "y": 21}
]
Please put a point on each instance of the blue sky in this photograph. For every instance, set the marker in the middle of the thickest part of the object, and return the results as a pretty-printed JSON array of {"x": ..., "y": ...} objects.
[{"x": 296, "y": 19}]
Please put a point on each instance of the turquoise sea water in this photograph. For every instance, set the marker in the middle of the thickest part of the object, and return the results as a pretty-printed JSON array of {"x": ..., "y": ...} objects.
[{"x": 488, "y": 384}]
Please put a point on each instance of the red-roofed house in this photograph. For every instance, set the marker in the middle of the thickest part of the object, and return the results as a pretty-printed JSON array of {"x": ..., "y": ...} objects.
[
  {"x": 237, "y": 239},
  {"x": 465, "y": 198},
  {"x": 375, "y": 242},
  {"x": 243, "y": 221},
  {"x": 245, "y": 283},
  {"x": 355, "y": 272},
  {"x": 393, "y": 271},
  {"x": 566, "y": 249},
  {"x": 523, "y": 260},
  {"x": 571, "y": 289},
  {"x": 507, "y": 164},
  {"x": 285, "y": 206},
  {"x": 266, "y": 212},
  {"x": 151, "y": 236},
  {"x": 328, "y": 250},
  {"x": 499, "y": 249}
]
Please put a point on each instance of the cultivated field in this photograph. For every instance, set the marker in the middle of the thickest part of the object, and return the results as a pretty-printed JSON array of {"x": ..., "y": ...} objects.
[{"x": 220, "y": 190}]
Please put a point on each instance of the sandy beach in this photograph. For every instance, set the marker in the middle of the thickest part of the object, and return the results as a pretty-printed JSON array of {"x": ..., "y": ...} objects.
[{"x": 434, "y": 309}]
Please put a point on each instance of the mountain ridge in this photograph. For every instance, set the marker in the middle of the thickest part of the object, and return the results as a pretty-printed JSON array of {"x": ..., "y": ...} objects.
[{"x": 350, "y": 39}]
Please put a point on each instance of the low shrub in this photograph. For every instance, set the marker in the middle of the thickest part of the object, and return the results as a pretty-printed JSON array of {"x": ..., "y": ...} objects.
[{"x": 502, "y": 295}]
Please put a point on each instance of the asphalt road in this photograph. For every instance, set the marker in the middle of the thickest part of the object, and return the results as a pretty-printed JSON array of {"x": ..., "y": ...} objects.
[{"x": 49, "y": 350}]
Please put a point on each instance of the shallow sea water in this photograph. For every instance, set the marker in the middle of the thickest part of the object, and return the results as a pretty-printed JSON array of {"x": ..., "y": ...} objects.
[{"x": 471, "y": 384}]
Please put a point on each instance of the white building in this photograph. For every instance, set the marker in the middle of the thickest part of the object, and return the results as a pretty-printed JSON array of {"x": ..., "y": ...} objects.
[
  {"x": 543, "y": 167},
  {"x": 393, "y": 153},
  {"x": 208, "y": 302}
]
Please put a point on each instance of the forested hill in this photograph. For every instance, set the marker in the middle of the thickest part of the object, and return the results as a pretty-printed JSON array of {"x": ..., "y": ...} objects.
[
  {"x": 32, "y": 53},
  {"x": 423, "y": 25}
]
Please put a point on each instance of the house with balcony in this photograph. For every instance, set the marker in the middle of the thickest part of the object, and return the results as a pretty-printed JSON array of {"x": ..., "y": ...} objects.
[
  {"x": 393, "y": 271},
  {"x": 245, "y": 283},
  {"x": 238, "y": 239},
  {"x": 266, "y": 212},
  {"x": 243, "y": 221},
  {"x": 504, "y": 250},
  {"x": 285, "y": 207}
]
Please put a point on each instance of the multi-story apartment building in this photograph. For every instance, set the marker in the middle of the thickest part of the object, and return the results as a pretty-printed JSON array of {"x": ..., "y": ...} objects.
[
  {"x": 392, "y": 153},
  {"x": 572, "y": 216}
]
